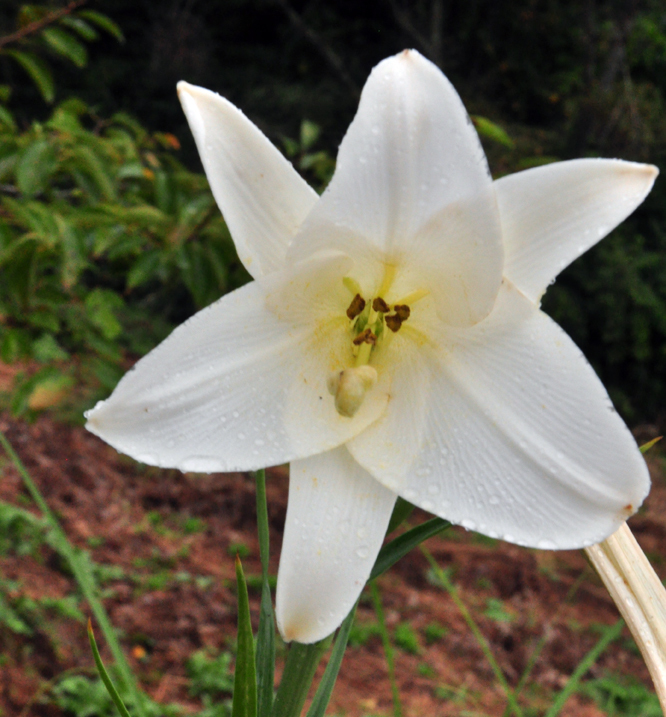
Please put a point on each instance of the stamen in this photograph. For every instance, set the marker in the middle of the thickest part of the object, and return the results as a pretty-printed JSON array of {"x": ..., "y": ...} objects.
[
  {"x": 387, "y": 281},
  {"x": 351, "y": 284},
  {"x": 365, "y": 337},
  {"x": 403, "y": 311},
  {"x": 380, "y": 305},
  {"x": 393, "y": 321},
  {"x": 412, "y": 298},
  {"x": 356, "y": 307}
]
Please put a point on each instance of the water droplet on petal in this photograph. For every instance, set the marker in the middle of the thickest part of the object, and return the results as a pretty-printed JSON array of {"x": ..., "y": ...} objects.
[
  {"x": 363, "y": 552},
  {"x": 546, "y": 545}
]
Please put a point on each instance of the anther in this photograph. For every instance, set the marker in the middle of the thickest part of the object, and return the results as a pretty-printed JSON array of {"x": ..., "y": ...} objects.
[
  {"x": 365, "y": 337},
  {"x": 356, "y": 307},
  {"x": 403, "y": 311},
  {"x": 393, "y": 321},
  {"x": 380, "y": 305}
]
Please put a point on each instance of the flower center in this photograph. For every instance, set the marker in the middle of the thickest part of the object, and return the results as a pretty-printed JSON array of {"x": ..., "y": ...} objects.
[{"x": 368, "y": 322}]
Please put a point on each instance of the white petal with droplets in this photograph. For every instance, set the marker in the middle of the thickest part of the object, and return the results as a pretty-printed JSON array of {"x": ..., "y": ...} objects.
[
  {"x": 520, "y": 440},
  {"x": 337, "y": 516},
  {"x": 263, "y": 199},
  {"x": 236, "y": 388},
  {"x": 552, "y": 214},
  {"x": 412, "y": 188}
]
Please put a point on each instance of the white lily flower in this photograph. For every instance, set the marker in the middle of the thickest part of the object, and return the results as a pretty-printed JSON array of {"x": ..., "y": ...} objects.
[{"x": 391, "y": 342}]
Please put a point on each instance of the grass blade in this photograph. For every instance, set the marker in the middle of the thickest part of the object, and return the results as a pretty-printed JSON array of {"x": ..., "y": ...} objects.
[
  {"x": 325, "y": 689},
  {"x": 265, "y": 648},
  {"x": 474, "y": 628},
  {"x": 398, "y": 548},
  {"x": 388, "y": 648},
  {"x": 245, "y": 676},
  {"x": 82, "y": 574},
  {"x": 610, "y": 635},
  {"x": 110, "y": 687}
]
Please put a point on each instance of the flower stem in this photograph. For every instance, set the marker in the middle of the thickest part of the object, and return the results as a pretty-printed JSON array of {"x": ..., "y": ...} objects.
[
  {"x": 640, "y": 597},
  {"x": 297, "y": 677}
]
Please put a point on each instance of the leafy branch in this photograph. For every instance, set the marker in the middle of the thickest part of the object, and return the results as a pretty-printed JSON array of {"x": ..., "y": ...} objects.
[{"x": 37, "y": 25}]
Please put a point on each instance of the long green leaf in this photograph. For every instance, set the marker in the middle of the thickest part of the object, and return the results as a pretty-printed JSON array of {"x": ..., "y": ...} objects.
[
  {"x": 265, "y": 648},
  {"x": 66, "y": 45},
  {"x": 38, "y": 71},
  {"x": 325, "y": 689},
  {"x": 398, "y": 548},
  {"x": 245, "y": 677},
  {"x": 110, "y": 687}
]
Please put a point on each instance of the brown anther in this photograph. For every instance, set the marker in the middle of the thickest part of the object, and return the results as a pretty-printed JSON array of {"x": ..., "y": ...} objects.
[
  {"x": 365, "y": 337},
  {"x": 379, "y": 304},
  {"x": 393, "y": 321},
  {"x": 356, "y": 307},
  {"x": 403, "y": 311}
]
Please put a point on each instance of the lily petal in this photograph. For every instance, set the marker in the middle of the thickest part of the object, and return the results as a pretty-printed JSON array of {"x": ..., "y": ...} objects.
[
  {"x": 263, "y": 199},
  {"x": 337, "y": 517},
  {"x": 236, "y": 388},
  {"x": 552, "y": 214},
  {"x": 412, "y": 183},
  {"x": 520, "y": 440}
]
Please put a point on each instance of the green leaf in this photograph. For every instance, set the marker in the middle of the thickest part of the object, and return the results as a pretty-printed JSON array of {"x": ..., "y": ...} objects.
[
  {"x": 66, "y": 45},
  {"x": 100, "y": 307},
  {"x": 144, "y": 268},
  {"x": 646, "y": 446},
  {"x": 401, "y": 511},
  {"x": 73, "y": 252},
  {"x": 398, "y": 548},
  {"x": 34, "y": 167},
  {"x": 297, "y": 676},
  {"x": 309, "y": 134},
  {"x": 90, "y": 162},
  {"x": 84, "y": 29},
  {"x": 46, "y": 349},
  {"x": 7, "y": 119},
  {"x": 38, "y": 71},
  {"x": 245, "y": 678},
  {"x": 492, "y": 131},
  {"x": 113, "y": 692},
  {"x": 325, "y": 688},
  {"x": 265, "y": 648},
  {"x": 104, "y": 22}
]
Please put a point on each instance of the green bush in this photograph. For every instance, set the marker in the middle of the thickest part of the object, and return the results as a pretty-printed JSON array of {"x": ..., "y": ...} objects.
[{"x": 106, "y": 242}]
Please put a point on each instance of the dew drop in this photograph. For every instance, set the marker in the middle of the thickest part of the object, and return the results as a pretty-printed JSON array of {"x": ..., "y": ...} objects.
[
  {"x": 546, "y": 545},
  {"x": 363, "y": 552}
]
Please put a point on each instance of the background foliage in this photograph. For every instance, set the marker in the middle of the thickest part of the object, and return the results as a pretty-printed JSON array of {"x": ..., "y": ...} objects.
[{"x": 109, "y": 235}]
